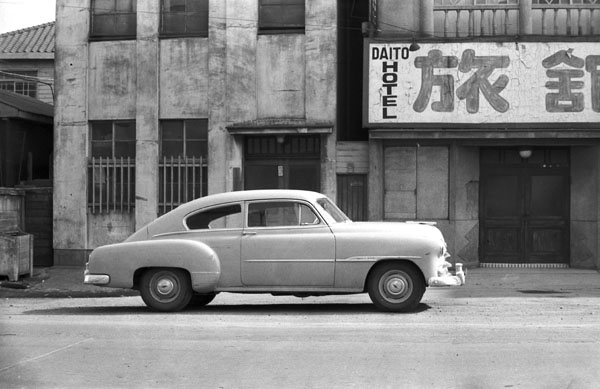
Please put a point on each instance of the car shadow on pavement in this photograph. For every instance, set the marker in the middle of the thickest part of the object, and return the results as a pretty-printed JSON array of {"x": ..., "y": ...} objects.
[{"x": 217, "y": 309}]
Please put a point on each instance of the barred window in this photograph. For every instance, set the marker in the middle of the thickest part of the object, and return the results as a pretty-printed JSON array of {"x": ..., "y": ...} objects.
[
  {"x": 184, "y": 18},
  {"x": 281, "y": 16},
  {"x": 17, "y": 82},
  {"x": 184, "y": 138},
  {"x": 113, "y": 139},
  {"x": 112, "y": 167},
  {"x": 183, "y": 164},
  {"x": 113, "y": 19}
]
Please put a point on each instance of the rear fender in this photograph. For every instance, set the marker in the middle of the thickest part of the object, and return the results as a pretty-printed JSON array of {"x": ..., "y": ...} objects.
[{"x": 121, "y": 261}]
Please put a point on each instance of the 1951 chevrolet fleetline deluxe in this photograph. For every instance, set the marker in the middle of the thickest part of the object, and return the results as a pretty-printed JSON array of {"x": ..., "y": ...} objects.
[{"x": 283, "y": 242}]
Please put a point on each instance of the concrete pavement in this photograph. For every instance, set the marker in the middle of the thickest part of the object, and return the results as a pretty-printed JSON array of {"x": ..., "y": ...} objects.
[{"x": 57, "y": 281}]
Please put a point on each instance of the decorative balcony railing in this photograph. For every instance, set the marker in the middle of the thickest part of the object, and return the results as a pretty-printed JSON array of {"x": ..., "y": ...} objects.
[{"x": 466, "y": 18}]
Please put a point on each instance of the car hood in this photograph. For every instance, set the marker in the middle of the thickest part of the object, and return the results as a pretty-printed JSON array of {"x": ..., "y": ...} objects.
[{"x": 412, "y": 229}]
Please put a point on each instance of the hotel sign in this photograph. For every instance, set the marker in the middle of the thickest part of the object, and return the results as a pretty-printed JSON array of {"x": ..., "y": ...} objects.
[{"x": 481, "y": 82}]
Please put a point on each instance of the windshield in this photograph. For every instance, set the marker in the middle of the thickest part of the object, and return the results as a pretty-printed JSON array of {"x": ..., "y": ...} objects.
[{"x": 332, "y": 210}]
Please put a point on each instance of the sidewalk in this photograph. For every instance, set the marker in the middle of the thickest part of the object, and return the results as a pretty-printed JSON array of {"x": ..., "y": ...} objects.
[
  {"x": 64, "y": 282},
  {"x": 57, "y": 281}
]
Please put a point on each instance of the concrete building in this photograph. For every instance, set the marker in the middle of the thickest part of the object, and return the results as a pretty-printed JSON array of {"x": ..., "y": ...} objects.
[
  {"x": 484, "y": 117},
  {"x": 481, "y": 116},
  {"x": 159, "y": 102}
]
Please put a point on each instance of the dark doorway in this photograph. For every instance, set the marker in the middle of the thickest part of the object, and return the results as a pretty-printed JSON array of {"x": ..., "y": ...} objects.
[
  {"x": 283, "y": 162},
  {"x": 524, "y": 206}
]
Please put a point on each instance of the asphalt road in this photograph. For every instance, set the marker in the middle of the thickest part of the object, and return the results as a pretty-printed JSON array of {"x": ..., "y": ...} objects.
[{"x": 457, "y": 339}]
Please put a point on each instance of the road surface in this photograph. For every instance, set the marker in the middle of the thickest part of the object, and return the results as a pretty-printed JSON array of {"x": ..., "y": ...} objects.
[{"x": 456, "y": 339}]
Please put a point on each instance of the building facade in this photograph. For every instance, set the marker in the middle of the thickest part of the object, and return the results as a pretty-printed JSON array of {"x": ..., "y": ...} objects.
[
  {"x": 479, "y": 115},
  {"x": 484, "y": 117},
  {"x": 159, "y": 102}
]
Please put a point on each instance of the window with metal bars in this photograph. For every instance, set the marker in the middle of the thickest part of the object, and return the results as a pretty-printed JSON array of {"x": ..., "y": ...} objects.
[
  {"x": 111, "y": 170},
  {"x": 183, "y": 163}
]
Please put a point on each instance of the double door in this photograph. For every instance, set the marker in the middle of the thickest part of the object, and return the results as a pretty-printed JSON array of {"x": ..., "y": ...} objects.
[
  {"x": 290, "y": 162},
  {"x": 525, "y": 210}
]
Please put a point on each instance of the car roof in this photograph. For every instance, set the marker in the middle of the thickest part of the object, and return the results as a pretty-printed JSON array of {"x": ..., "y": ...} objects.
[{"x": 248, "y": 195}]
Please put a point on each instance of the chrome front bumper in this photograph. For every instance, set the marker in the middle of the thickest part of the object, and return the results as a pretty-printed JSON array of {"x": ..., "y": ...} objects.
[{"x": 445, "y": 278}]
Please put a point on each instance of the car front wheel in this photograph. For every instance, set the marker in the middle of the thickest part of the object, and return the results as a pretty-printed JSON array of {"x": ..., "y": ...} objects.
[
  {"x": 166, "y": 290},
  {"x": 395, "y": 287}
]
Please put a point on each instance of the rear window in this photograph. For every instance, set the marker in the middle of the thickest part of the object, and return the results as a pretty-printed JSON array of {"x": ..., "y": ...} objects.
[{"x": 228, "y": 216}]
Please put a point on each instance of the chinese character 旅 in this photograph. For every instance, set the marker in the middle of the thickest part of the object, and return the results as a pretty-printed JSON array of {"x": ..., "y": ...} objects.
[{"x": 479, "y": 82}]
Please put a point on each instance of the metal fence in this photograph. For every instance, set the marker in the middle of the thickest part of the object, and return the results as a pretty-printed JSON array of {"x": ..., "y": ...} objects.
[
  {"x": 182, "y": 179},
  {"x": 112, "y": 185}
]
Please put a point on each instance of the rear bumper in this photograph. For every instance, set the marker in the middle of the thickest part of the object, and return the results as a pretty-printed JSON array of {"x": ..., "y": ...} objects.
[{"x": 445, "y": 278}]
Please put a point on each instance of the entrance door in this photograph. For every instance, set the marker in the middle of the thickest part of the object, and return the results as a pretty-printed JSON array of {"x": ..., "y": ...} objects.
[
  {"x": 292, "y": 162},
  {"x": 525, "y": 206}
]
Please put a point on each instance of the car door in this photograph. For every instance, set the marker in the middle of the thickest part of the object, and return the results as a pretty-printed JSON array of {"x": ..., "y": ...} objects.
[
  {"x": 286, "y": 244},
  {"x": 219, "y": 227}
]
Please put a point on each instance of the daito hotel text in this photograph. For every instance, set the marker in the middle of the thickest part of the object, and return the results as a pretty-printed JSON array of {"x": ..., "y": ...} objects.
[{"x": 484, "y": 83}]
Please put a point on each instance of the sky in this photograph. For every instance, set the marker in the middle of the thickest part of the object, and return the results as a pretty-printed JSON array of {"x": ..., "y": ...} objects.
[{"x": 19, "y": 14}]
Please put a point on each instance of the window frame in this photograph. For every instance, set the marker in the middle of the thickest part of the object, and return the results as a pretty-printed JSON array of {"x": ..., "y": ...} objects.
[
  {"x": 212, "y": 208},
  {"x": 113, "y": 140},
  {"x": 111, "y": 179},
  {"x": 130, "y": 16},
  {"x": 186, "y": 14},
  {"x": 283, "y": 26},
  {"x": 298, "y": 203},
  {"x": 20, "y": 77},
  {"x": 185, "y": 138}
]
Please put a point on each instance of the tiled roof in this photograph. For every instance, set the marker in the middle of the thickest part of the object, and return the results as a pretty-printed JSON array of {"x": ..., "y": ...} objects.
[
  {"x": 25, "y": 104},
  {"x": 31, "y": 40}
]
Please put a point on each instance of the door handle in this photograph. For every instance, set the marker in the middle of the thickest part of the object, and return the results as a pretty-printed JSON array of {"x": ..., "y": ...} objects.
[{"x": 249, "y": 233}]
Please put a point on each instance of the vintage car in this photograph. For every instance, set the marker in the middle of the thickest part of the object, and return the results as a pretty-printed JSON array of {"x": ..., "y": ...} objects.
[{"x": 283, "y": 242}]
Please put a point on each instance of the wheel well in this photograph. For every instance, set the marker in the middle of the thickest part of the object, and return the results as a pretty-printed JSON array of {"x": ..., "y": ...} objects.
[
  {"x": 137, "y": 275},
  {"x": 384, "y": 261}
]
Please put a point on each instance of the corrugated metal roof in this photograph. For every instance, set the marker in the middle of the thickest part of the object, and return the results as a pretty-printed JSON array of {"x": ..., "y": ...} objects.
[
  {"x": 26, "y": 104},
  {"x": 36, "y": 39}
]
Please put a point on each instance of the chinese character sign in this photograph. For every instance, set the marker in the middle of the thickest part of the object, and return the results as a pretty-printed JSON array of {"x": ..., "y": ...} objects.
[{"x": 484, "y": 83}]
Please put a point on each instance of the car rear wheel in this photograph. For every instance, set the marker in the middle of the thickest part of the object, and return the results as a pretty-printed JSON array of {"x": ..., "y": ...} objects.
[
  {"x": 395, "y": 287},
  {"x": 166, "y": 290}
]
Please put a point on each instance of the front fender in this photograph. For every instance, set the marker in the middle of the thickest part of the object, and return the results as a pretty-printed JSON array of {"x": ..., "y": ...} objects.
[{"x": 120, "y": 261}]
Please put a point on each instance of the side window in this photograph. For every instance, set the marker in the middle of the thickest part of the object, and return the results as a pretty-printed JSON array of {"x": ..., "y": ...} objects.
[
  {"x": 19, "y": 82},
  {"x": 280, "y": 214},
  {"x": 113, "y": 19},
  {"x": 184, "y": 18},
  {"x": 229, "y": 216}
]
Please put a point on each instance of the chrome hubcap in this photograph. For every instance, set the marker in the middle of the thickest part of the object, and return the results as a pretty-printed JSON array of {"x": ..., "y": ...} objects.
[
  {"x": 165, "y": 286},
  {"x": 395, "y": 286}
]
